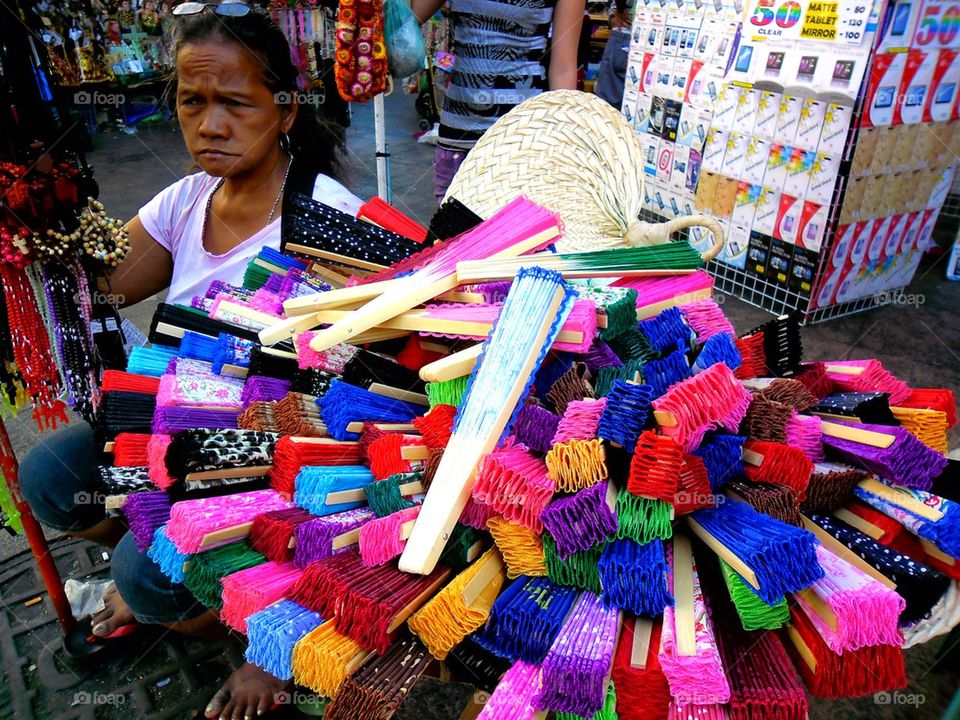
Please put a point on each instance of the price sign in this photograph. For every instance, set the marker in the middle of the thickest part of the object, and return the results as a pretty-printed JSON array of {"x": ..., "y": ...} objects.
[
  {"x": 840, "y": 22},
  {"x": 938, "y": 26}
]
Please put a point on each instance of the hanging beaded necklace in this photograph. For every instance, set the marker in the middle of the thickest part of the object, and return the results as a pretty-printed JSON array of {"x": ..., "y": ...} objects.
[{"x": 273, "y": 210}]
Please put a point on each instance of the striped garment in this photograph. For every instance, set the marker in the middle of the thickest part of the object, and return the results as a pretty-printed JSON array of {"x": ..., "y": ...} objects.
[{"x": 499, "y": 47}]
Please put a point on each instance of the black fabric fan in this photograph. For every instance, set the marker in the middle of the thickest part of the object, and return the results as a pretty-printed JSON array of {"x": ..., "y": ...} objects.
[
  {"x": 451, "y": 219},
  {"x": 782, "y": 345},
  {"x": 867, "y": 407},
  {"x": 324, "y": 233},
  {"x": 169, "y": 318}
]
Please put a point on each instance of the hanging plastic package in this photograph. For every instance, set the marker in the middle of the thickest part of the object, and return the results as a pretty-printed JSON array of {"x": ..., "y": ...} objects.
[{"x": 405, "y": 46}]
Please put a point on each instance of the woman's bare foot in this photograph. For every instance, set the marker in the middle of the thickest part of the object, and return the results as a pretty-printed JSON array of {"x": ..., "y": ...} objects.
[
  {"x": 115, "y": 614},
  {"x": 248, "y": 692}
]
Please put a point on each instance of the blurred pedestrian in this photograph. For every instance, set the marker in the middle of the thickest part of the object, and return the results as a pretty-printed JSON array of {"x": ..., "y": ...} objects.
[{"x": 504, "y": 52}]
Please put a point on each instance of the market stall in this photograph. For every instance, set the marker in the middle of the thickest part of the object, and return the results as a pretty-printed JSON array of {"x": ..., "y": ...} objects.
[
  {"x": 396, "y": 445},
  {"x": 55, "y": 241},
  {"x": 821, "y": 135},
  {"x": 113, "y": 64}
]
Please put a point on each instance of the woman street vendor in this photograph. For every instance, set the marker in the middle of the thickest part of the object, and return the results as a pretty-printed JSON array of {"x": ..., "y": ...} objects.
[{"x": 233, "y": 66}]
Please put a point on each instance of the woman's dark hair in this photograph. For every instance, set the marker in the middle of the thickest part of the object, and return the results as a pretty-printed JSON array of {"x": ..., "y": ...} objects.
[{"x": 314, "y": 143}]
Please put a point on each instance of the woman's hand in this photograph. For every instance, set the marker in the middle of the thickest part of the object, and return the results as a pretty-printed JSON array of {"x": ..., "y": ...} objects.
[
  {"x": 147, "y": 269},
  {"x": 567, "y": 19}
]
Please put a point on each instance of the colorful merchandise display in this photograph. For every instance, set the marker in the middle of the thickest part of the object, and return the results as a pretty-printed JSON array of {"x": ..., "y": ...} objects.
[
  {"x": 821, "y": 136},
  {"x": 602, "y": 496},
  {"x": 311, "y": 31},
  {"x": 355, "y": 547}
]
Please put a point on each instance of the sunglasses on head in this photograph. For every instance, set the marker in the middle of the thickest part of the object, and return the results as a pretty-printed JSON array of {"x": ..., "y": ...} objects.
[{"x": 227, "y": 9}]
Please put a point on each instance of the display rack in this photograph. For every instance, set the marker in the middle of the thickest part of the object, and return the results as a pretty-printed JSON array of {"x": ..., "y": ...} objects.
[
  {"x": 951, "y": 208},
  {"x": 47, "y": 183},
  {"x": 821, "y": 135}
]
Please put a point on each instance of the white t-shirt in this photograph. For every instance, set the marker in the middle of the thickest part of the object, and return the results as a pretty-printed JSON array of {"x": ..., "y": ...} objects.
[{"x": 174, "y": 218}]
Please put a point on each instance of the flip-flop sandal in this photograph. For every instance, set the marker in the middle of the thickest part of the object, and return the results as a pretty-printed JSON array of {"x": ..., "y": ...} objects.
[
  {"x": 120, "y": 632},
  {"x": 81, "y": 644}
]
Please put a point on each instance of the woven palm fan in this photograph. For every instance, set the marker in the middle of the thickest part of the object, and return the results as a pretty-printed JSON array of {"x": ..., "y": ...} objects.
[{"x": 573, "y": 153}]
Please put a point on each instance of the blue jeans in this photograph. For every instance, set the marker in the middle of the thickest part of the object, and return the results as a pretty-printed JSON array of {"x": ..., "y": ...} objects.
[
  {"x": 58, "y": 479},
  {"x": 153, "y": 598},
  {"x": 612, "y": 74}
]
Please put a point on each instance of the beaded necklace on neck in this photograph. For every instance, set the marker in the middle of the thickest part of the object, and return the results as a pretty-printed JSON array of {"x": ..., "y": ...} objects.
[{"x": 276, "y": 202}]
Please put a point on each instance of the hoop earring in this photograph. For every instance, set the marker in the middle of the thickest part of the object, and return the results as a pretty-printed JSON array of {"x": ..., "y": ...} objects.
[{"x": 285, "y": 143}]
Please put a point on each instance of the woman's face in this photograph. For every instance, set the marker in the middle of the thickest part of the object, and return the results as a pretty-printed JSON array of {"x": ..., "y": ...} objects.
[{"x": 230, "y": 120}]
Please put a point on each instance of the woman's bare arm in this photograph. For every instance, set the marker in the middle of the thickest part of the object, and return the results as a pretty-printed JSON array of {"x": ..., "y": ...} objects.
[
  {"x": 147, "y": 269},
  {"x": 567, "y": 19},
  {"x": 424, "y": 9}
]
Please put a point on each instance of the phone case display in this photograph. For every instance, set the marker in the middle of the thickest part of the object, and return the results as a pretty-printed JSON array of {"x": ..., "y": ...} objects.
[
  {"x": 762, "y": 114},
  {"x": 904, "y": 158}
]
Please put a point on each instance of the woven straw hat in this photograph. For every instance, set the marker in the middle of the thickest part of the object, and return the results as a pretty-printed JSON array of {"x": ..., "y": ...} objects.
[{"x": 569, "y": 151}]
